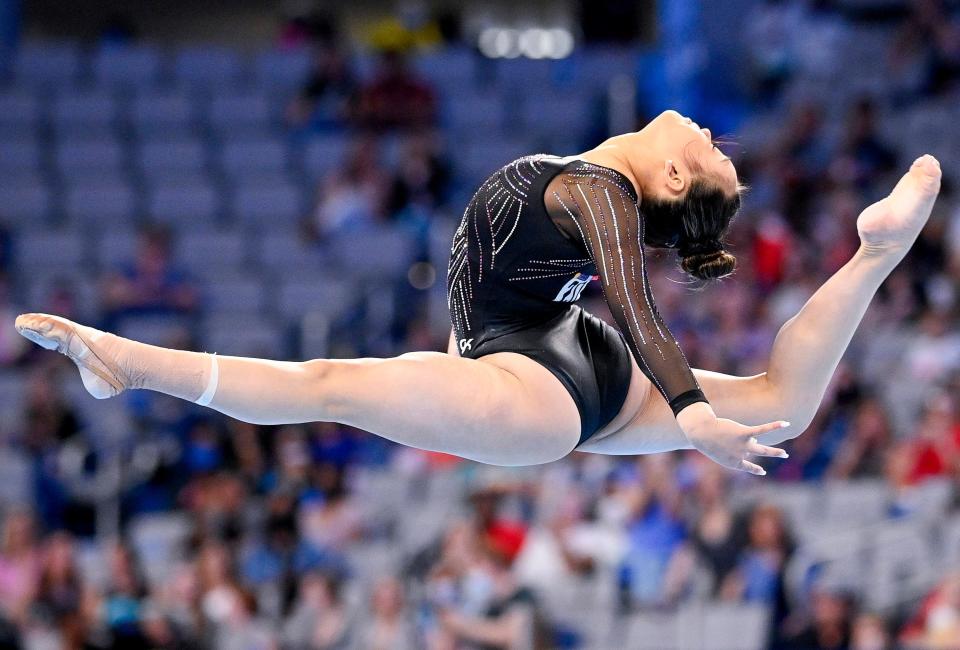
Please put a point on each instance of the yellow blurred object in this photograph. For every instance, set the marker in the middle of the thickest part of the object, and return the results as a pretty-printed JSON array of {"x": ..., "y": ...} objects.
[{"x": 392, "y": 35}]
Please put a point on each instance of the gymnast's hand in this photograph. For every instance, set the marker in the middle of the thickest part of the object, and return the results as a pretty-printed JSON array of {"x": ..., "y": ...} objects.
[{"x": 725, "y": 441}]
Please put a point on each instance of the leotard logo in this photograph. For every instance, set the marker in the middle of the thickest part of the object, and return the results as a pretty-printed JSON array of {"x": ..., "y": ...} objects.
[
  {"x": 465, "y": 344},
  {"x": 574, "y": 287}
]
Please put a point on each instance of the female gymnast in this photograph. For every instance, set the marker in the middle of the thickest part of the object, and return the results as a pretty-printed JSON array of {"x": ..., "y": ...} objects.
[{"x": 529, "y": 376}]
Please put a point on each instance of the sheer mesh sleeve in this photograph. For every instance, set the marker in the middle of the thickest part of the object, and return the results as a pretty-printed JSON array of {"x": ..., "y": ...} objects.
[{"x": 603, "y": 210}]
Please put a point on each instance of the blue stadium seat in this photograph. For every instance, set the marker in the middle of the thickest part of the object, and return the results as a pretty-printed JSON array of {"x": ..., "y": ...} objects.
[
  {"x": 115, "y": 248},
  {"x": 19, "y": 112},
  {"x": 235, "y": 294},
  {"x": 268, "y": 205},
  {"x": 80, "y": 109},
  {"x": 49, "y": 251},
  {"x": 86, "y": 157},
  {"x": 100, "y": 203},
  {"x": 25, "y": 200},
  {"x": 283, "y": 71},
  {"x": 84, "y": 288},
  {"x": 161, "y": 112},
  {"x": 171, "y": 158},
  {"x": 127, "y": 66},
  {"x": 286, "y": 253},
  {"x": 323, "y": 152},
  {"x": 191, "y": 204},
  {"x": 481, "y": 157},
  {"x": 207, "y": 67},
  {"x": 245, "y": 157},
  {"x": 212, "y": 253},
  {"x": 567, "y": 113},
  {"x": 469, "y": 112},
  {"x": 19, "y": 155},
  {"x": 243, "y": 334},
  {"x": 373, "y": 253},
  {"x": 230, "y": 113},
  {"x": 330, "y": 295},
  {"x": 452, "y": 68},
  {"x": 47, "y": 63}
]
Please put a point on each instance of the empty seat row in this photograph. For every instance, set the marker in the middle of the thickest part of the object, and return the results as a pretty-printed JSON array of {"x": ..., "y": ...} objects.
[
  {"x": 81, "y": 158},
  {"x": 41, "y": 63}
]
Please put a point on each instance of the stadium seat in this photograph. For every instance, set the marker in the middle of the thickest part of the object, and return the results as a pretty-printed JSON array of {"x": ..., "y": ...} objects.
[
  {"x": 206, "y": 68},
  {"x": 126, "y": 66},
  {"x": 232, "y": 113},
  {"x": 380, "y": 253},
  {"x": 324, "y": 152},
  {"x": 212, "y": 253},
  {"x": 103, "y": 204},
  {"x": 25, "y": 200},
  {"x": 50, "y": 251},
  {"x": 282, "y": 71},
  {"x": 231, "y": 294},
  {"x": 330, "y": 295},
  {"x": 284, "y": 252},
  {"x": 193, "y": 205},
  {"x": 244, "y": 334},
  {"x": 74, "y": 110},
  {"x": 20, "y": 155},
  {"x": 246, "y": 157},
  {"x": 89, "y": 158},
  {"x": 47, "y": 63},
  {"x": 19, "y": 113},
  {"x": 164, "y": 159},
  {"x": 472, "y": 112},
  {"x": 115, "y": 248},
  {"x": 161, "y": 112},
  {"x": 267, "y": 205}
]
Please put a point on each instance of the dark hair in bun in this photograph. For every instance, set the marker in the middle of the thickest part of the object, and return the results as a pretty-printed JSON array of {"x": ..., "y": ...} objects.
[{"x": 694, "y": 225}]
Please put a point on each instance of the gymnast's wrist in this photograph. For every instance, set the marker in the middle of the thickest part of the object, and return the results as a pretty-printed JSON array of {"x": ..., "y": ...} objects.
[{"x": 694, "y": 417}]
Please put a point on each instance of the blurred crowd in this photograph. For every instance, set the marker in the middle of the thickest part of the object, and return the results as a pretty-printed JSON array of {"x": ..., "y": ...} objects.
[{"x": 261, "y": 528}]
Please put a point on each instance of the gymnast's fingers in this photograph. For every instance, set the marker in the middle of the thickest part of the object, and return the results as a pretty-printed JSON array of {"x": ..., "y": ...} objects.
[
  {"x": 755, "y": 448},
  {"x": 770, "y": 426},
  {"x": 753, "y": 468}
]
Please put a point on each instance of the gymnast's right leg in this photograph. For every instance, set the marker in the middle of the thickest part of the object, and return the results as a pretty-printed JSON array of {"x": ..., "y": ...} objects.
[{"x": 503, "y": 409}]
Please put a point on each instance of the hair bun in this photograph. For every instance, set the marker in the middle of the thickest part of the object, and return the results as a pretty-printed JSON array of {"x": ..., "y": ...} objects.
[{"x": 707, "y": 261}]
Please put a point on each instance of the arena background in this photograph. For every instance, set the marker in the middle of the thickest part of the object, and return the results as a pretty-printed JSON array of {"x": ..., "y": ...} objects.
[{"x": 281, "y": 179}]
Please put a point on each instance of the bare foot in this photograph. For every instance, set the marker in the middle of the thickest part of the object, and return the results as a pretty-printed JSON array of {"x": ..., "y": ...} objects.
[
  {"x": 101, "y": 375},
  {"x": 891, "y": 225}
]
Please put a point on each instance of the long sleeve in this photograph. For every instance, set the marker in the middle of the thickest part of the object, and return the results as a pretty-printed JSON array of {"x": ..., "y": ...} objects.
[{"x": 604, "y": 209}]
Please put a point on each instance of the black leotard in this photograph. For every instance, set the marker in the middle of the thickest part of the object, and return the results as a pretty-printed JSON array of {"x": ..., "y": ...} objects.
[{"x": 533, "y": 237}]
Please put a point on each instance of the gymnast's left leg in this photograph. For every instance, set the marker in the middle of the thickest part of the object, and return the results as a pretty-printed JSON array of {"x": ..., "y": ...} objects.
[
  {"x": 503, "y": 408},
  {"x": 809, "y": 346}
]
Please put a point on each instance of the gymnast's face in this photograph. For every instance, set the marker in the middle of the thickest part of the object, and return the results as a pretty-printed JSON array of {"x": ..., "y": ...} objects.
[{"x": 687, "y": 152}]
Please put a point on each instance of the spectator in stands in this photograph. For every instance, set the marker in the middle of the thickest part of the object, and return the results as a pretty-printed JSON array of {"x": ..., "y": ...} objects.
[
  {"x": 510, "y": 617},
  {"x": 714, "y": 537},
  {"x": 319, "y": 619},
  {"x": 421, "y": 177},
  {"x": 11, "y": 351},
  {"x": 863, "y": 450},
  {"x": 19, "y": 565},
  {"x": 870, "y": 632},
  {"x": 395, "y": 98},
  {"x": 830, "y": 622},
  {"x": 352, "y": 196},
  {"x": 49, "y": 419},
  {"x": 655, "y": 531},
  {"x": 243, "y": 629},
  {"x": 934, "y": 447},
  {"x": 150, "y": 284},
  {"x": 323, "y": 98},
  {"x": 60, "y": 590},
  {"x": 863, "y": 155},
  {"x": 390, "y": 626},
  {"x": 758, "y": 574},
  {"x": 937, "y": 623}
]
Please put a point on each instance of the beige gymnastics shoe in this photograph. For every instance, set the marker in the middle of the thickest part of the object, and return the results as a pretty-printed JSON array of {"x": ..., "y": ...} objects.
[{"x": 101, "y": 377}]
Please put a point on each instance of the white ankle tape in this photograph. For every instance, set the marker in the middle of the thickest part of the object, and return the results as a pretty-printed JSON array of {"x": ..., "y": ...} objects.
[{"x": 212, "y": 383}]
